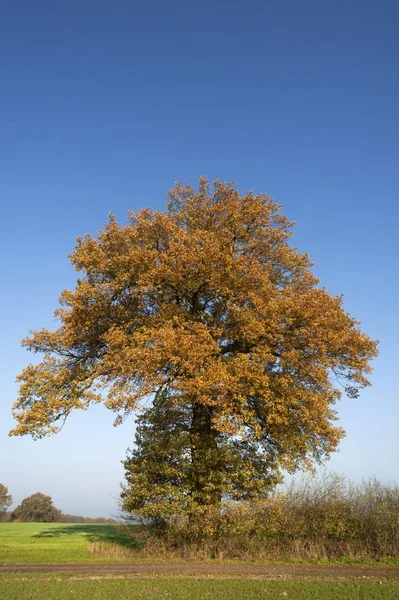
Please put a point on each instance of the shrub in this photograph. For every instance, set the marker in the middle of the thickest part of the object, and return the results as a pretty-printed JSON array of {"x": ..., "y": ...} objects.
[{"x": 316, "y": 518}]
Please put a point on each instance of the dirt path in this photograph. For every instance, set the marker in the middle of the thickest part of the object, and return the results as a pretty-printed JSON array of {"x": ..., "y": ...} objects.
[{"x": 205, "y": 569}]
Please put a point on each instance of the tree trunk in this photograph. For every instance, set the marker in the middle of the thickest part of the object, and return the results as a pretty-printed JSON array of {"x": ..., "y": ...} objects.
[{"x": 205, "y": 459}]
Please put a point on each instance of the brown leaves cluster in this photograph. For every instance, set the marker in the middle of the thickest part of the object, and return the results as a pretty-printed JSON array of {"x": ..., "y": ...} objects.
[{"x": 209, "y": 301}]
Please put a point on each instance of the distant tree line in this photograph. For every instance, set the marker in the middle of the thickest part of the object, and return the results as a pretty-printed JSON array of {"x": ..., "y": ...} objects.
[
  {"x": 66, "y": 518},
  {"x": 39, "y": 508}
]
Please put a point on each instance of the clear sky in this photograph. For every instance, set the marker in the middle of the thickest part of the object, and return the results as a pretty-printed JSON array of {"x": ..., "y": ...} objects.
[{"x": 104, "y": 105}]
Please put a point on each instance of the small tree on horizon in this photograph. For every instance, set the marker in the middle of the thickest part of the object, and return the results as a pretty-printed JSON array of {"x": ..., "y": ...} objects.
[
  {"x": 5, "y": 500},
  {"x": 208, "y": 306},
  {"x": 37, "y": 508}
]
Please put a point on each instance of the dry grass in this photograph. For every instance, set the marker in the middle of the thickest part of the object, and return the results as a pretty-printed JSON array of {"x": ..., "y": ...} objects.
[{"x": 110, "y": 550}]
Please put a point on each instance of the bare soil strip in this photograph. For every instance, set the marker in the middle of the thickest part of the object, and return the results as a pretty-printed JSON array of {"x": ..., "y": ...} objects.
[{"x": 274, "y": 571}]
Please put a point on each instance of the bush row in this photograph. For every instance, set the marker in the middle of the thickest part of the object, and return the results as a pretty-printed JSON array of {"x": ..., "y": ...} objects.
[{"x": 316, "y": 518}]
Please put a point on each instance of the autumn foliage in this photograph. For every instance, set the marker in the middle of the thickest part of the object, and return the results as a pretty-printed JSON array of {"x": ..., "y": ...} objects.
[{"x": 209, "y": 307}]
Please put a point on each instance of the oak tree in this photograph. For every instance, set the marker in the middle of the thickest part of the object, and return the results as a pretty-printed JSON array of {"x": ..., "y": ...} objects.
[{"x": 209, "y": 306}]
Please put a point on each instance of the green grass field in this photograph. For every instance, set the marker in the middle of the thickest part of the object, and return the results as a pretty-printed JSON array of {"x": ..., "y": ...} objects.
[
  {"x": 190, "y": 589},
  {"x": 55, "y": 542},
  {"x": 31, "y": 543}
]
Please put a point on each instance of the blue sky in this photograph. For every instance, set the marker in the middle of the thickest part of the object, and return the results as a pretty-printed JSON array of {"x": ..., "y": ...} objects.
[{"x": 105, "y": 105}]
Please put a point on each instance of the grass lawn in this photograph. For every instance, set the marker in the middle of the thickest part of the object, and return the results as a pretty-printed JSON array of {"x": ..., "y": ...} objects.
[
  {"x": 189, "y": 589},
  {"x": 31, "y": 543},
  {"x": 55, "y": 542}
]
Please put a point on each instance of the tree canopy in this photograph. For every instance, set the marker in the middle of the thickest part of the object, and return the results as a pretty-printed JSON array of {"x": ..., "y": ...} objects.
[
  {"x": 208, "y": 305},
  {"x": 36, "y": 508},
  {"x": 162, "y": 479}
]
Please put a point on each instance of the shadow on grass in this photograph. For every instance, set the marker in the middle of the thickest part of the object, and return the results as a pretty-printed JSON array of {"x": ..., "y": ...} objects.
[{"x": 112, "y": 534}]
